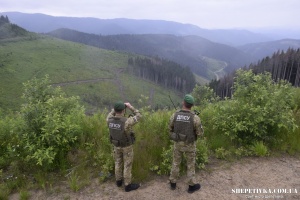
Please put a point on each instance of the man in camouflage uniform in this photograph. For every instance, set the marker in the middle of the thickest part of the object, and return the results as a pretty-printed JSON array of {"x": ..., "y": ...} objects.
[
  {"x": 122, "y": 138},
  {"x": 184, "y": 127}
]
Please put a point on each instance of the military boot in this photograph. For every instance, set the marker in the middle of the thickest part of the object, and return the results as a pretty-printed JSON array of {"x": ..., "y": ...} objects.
[
  {"x": 173, "y": 186},
  {"x": 194, "y": 188},
  {"x": 119, "y": 183},
  {"x": 132, "y": 186}
]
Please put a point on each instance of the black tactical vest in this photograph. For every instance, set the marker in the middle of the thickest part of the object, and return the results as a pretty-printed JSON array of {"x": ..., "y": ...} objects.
[
  {"x": 118, "y": 136},
  {"x": 184, "y": 126}
]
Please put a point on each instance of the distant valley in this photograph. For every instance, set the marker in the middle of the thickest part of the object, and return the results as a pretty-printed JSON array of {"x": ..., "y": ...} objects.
[
  {"x": 185, "y": 44},
  {"x": 92, "y": 51},
  {"x": 186, "y": 50}
]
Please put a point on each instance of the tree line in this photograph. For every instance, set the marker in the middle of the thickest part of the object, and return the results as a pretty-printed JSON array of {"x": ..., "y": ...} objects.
[
  {"x": 281, "y": 65},
  {"x": 4, "y": 20},
  {"x": 163, "y": 72},
  {"x": 9, "y": 30},
  {"x": 182, "y": 50}
]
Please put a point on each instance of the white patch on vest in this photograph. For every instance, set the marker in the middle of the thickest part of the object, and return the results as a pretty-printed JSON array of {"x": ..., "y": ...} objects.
[
  {"x": 114, "y": 126},
  {"x": 183, "y": 118}
]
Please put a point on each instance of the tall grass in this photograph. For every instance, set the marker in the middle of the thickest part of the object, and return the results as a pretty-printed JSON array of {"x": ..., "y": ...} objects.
[
  {"x": 289, "y": 141},
  {"x": 152, "y": 136}
]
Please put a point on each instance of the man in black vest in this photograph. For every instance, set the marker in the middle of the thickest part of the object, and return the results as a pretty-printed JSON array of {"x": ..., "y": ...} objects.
[
  {"x": 184, "y": 127},
  {"x": 121, "y": 136}
]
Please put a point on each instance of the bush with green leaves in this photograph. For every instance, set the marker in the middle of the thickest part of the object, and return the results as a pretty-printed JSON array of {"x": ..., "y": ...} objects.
[
  {"x": 164, "y": 167},
  {"x": 202, "y": 153},
  {"x": 204, "y": 95},
  {"x": 51, "y": 123},
  {"x": 259, "y": 149},
  {"x": 10, "y": 126},
  {"x": 259, "y": 110}
]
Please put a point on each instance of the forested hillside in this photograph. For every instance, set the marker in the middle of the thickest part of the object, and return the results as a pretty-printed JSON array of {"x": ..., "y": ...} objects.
[
  {"x": 260, "y": 50},
  {"x": 97, "y": 76},
  {"x": 8, "y": 30},
  {"x": 185, "y": 50},
  {"x": 282, "y": 66},
  {"x": 165, "y": 73}
]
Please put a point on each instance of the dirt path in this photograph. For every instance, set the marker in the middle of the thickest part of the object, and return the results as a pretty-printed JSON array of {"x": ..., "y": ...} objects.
[
  {"x": 81, "y": 81},
  {"x": 118, "y": 82},
  {"x": 221, "y": 180},
  {"x": 116, "y": 79}
]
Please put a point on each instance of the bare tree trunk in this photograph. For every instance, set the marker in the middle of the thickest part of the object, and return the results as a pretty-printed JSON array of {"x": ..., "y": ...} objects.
[
  {"x": 291, "y": 69},
  {"x": 297, "y": 76}
]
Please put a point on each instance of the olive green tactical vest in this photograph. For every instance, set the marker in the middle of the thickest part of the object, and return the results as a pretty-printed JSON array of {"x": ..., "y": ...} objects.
[
  {"x": 118, "y": 136},
  {"x": 184, "y": 126}
]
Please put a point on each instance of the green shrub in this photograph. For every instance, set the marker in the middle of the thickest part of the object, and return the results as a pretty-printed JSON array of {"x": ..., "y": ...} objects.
[
  {"x": 222, "y": 153},
  {"x": 51, "y": 123},
  {"x": 202, "y": 153},
  {"x": 204, "y": 95},
  {"x": 296, "y": 98},
  {"x": 24, "y": 195},
  {"x": 74, "y": 182},
  {"x": 10, "y": 149},
  {"x": 259, "y": 149},
  {"x": 164, "y": 168},
  {"x": 259, "y": 111},
  {"x": 289, "y": 141},
  {"x": 4, "y": 191},
  {"x": 242, "y": 152}
]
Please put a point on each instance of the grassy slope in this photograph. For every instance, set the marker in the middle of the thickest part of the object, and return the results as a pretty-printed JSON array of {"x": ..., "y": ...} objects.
[
  {"x": 200, "y": 80},
  {"x": 215, "y": 66},
  {"x": 24, "y": 58}
]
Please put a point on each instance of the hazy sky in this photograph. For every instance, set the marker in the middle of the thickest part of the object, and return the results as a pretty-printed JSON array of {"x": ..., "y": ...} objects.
[{"x": 203, "y": 13}]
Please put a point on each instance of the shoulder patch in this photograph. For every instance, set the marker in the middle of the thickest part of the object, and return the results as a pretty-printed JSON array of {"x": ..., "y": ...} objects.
[{"x": 134, "y": 119}]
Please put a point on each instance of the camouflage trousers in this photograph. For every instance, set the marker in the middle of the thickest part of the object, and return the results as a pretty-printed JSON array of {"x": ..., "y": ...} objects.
[
  {"x": 190, "y": 152},
  {"x": 123, "y": 157}
]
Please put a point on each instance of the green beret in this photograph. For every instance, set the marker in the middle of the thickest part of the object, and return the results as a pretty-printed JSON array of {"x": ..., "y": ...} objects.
[
  {"x": 119, "y": 106},
  {"x": 189, "y": 99}
]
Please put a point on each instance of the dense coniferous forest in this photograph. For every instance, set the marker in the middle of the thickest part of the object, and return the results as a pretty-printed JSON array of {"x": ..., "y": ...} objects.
[
  {"x": 282, "y": 66},
  {"x": 163, "y": 72}
]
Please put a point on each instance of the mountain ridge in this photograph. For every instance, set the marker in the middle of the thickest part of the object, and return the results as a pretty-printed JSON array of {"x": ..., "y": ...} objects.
[
  {"x": 42, "y": 23},
  {"x": 244, "y": 54},
  {"x": 260, "y": 50},
  {"x": 185, "y": 50}
]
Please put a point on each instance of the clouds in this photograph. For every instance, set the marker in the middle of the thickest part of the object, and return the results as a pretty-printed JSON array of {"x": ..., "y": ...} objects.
[{"x": 203, "y": 13}]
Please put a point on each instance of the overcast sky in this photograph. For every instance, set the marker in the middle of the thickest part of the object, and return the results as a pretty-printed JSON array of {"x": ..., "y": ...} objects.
[{"x": 203, "y": 13}]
